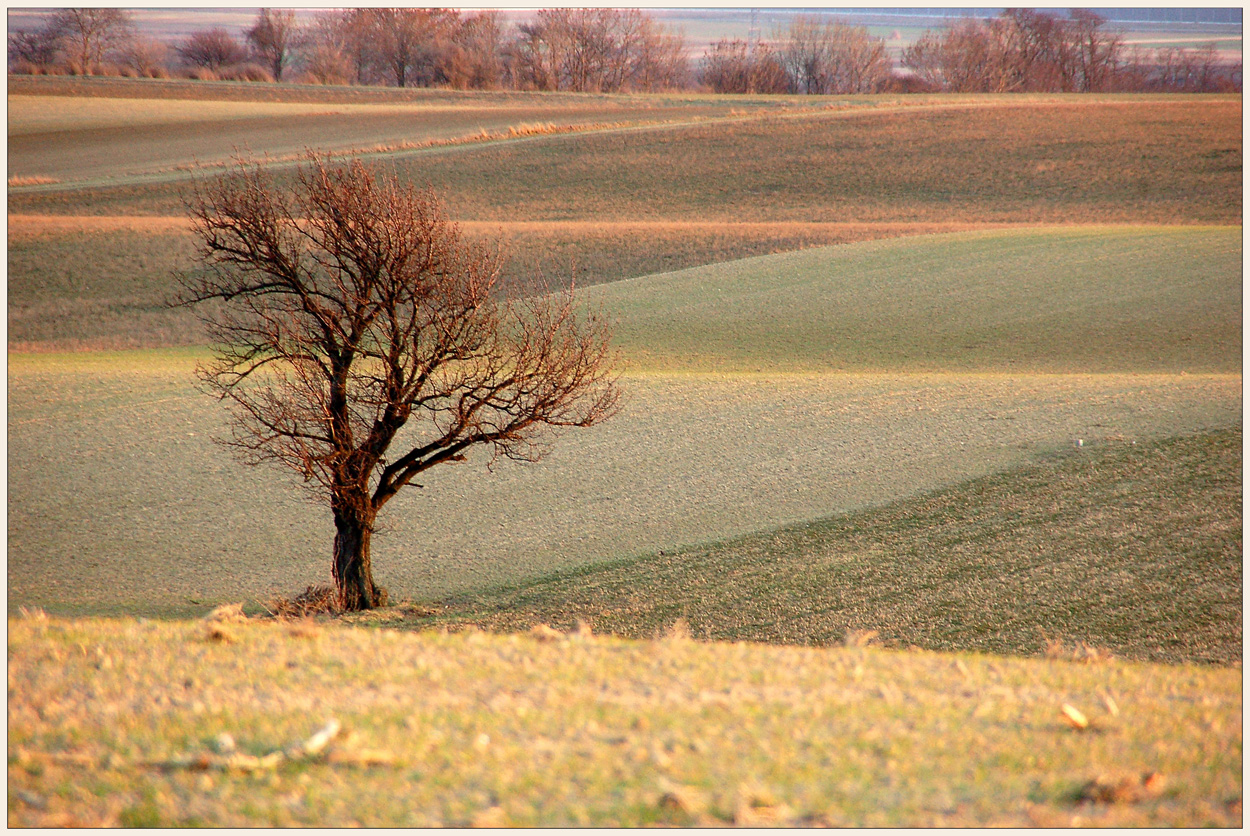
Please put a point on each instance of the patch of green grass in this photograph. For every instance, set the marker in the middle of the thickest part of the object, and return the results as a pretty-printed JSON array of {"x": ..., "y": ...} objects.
[
  {"x": 594, "y": 731},
  {"x": 1086, "y": 300},
  {"x": 1135, "y": 549}
]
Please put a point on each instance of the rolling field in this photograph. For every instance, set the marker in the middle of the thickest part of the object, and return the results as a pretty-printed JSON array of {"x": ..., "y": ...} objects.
[
  {"x": 1035, "y": 159},
  {"x": 105, "y": 139},
  {"x": 100, "y": 282},
  {"x": 750, "y": 434},
  {"x": 654, "y": 184},
  {"x": 1131, "y": 549},
  {"x": 955, "y": 375}
]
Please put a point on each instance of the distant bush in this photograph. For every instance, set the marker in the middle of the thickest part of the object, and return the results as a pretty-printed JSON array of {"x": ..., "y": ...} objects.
[
  {"x": 908, "y": 84},
  {"x": 327, "y": 80},
  {"x": 34, "y": 68},
  {"x": 245, "y": 72},
  {"x": 199, "y": 74}
]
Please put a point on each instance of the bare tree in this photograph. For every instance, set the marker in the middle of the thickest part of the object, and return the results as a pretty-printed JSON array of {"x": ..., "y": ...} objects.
[
  {"x": 273, "y": 37},
  {"x": 86, "y": 35},
  {"x": 39, "y": 47},
  {"x": 144, "y": 57},
  {"x": 824, "y": 57},
  {"x": 359, "y": 343},
  {"x": 326, "y": 50},
  {"x": 474, "y": 56},
  {"x": 212, "y": 48},
  {"x": 597, "y": 50},
  {"x": 407, "y": 42},
  {"x": 727, "y": 66},
  {"x": 1097, "y": 54},
  {"x": 735, "y": 66},
  {"x": 1022, "y": 50}
]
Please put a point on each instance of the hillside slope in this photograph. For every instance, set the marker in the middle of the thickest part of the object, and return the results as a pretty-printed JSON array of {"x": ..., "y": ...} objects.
[
  {"x": 1132, "y": 549},
  {"x": 706, "y": 448},
  {"x": 1085, "y": 300}
]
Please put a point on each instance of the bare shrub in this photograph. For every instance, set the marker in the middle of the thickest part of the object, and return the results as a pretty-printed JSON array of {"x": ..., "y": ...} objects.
[
  {"x": 200, "y": 74},
  {"x": 142, "y": 57},
  {"x": 245, "y": 72},
  {"x": 212, "y": 48},
  {"x": 26, "y": 68}
]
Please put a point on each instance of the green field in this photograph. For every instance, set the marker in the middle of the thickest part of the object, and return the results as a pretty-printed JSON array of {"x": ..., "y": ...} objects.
[
  {"x": 979, "y": 396},
  {"x": 1085, "y": 300}
]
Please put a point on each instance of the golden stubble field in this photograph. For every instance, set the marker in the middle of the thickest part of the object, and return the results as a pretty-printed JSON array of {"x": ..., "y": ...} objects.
[{"x": 140, "y": 723}]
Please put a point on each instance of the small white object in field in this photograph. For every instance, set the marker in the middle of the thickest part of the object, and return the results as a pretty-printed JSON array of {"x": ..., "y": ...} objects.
[
  {"x": 1074, "y": 716},
  {"x": 318, "y": 741}
]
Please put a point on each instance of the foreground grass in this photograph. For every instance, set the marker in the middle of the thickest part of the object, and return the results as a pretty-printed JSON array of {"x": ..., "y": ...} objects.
[
  {"x": 512, "y": 730},
  {"x": 1135, "y": 549}
]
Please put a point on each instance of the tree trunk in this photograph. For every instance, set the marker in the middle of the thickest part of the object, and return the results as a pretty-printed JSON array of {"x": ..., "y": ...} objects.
[{"x": 353, "y": 571}]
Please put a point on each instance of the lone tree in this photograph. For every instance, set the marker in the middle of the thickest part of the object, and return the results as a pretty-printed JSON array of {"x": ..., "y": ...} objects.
[{"x": 359, "y": 342}]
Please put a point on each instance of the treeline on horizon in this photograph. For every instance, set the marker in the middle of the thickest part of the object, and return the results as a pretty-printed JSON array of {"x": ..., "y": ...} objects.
[{"x": 624, "y": 50}]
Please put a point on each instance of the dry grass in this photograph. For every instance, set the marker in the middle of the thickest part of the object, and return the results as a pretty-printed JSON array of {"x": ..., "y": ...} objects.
[
  {"x": 317, "y": 599},
  {"x": 146, "y": 724},
  {"x": 34, "y": 180},
  {"x": 1034, "y": 162}
]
